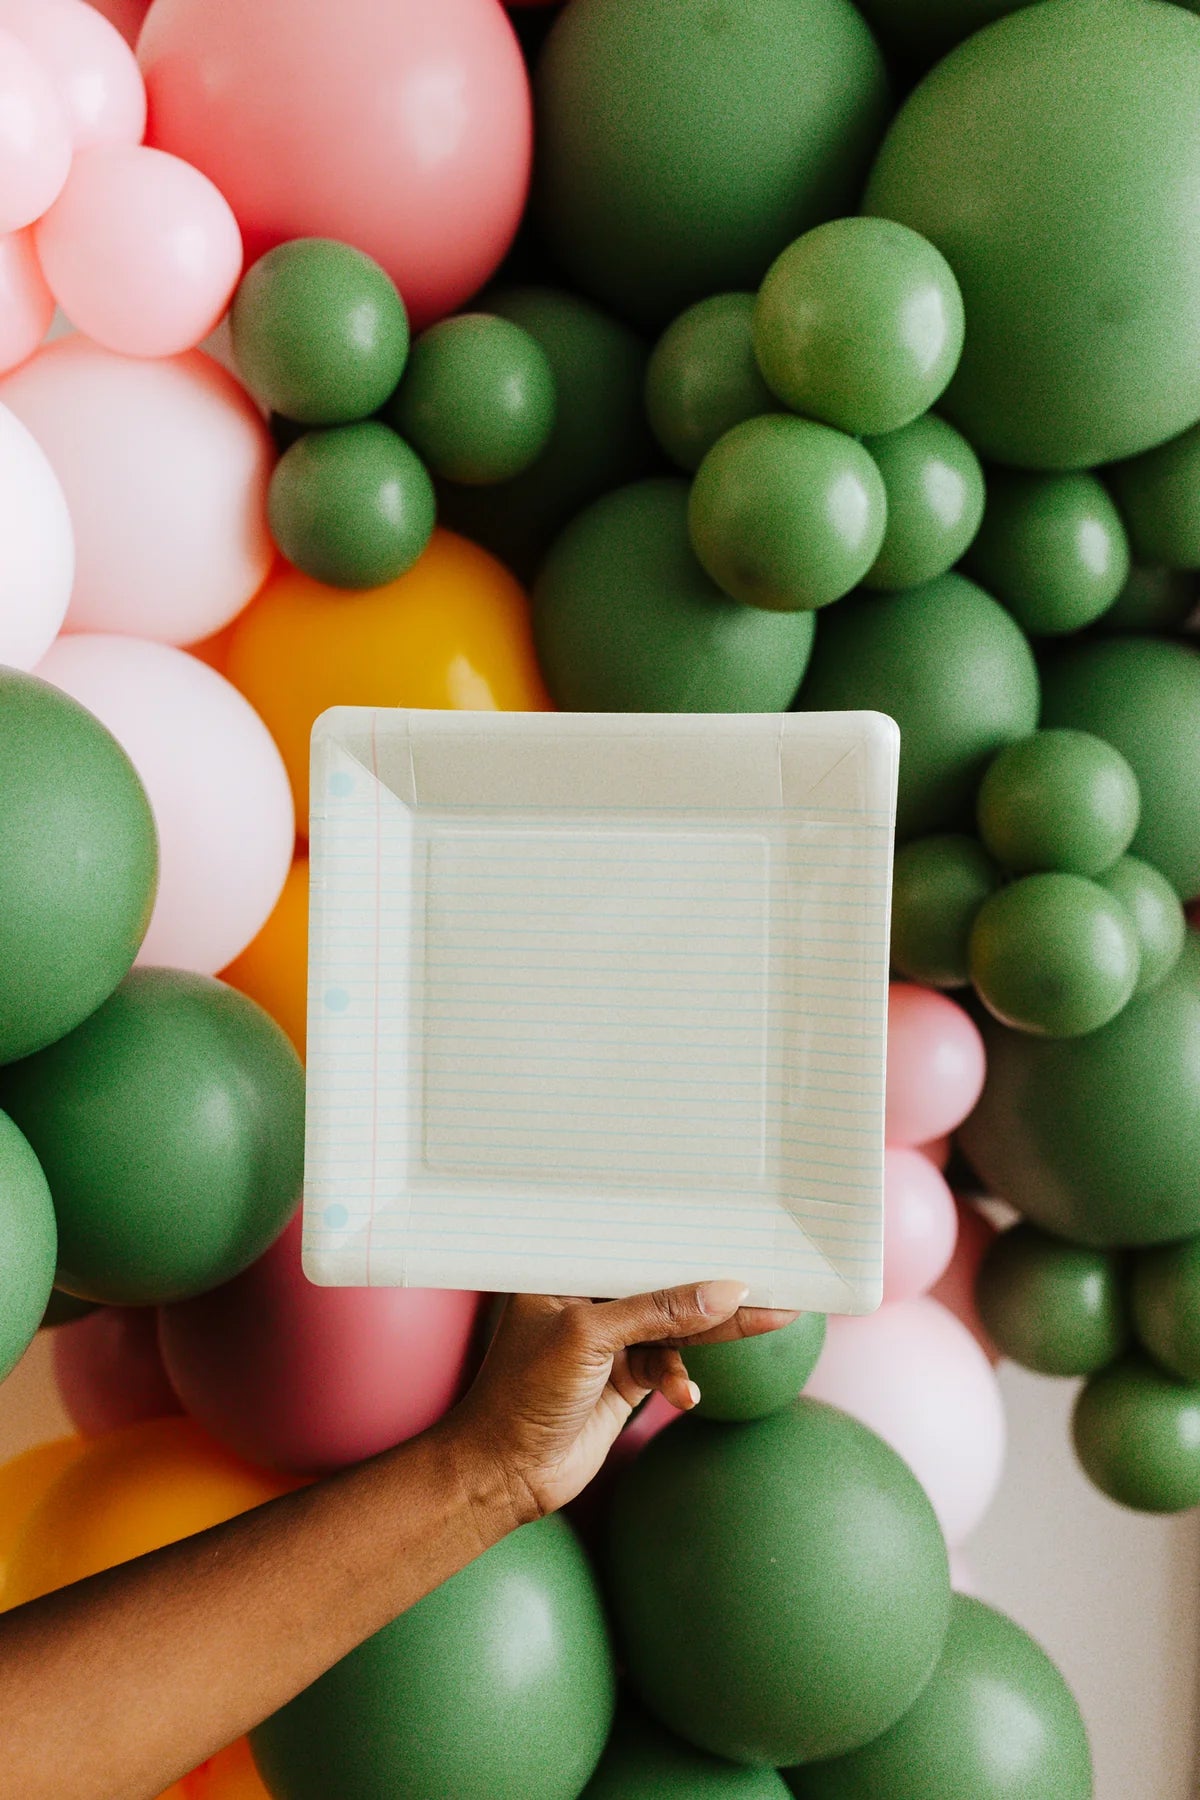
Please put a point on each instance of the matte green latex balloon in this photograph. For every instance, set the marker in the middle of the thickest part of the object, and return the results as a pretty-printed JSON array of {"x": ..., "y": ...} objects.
[
  {"x": 320, "y": 333},
  {"x": 1143, "y": 695},
  {"x": 64, "y": 1309},
  {"x": 644, "y": 1762},
  {"x": 1054, "y": 954},
  {"x": 626, "y": 620},
  {"x": 751, "y": 1377},
  {"x": 954, "y": 671},
  {"x": 1158, "y": 917},
  {"x": 938, "y": 886},
  {"x": 28, "y": 1245},
  {"x": 996, "y": 1722},
  {"x": 787, "y": 515},
  {"x": 1054, "y": 1307},
  {"x": 1059, "y": 800},
  {"x": 496, "y": 1686},
  {"x": 1084, "y": 345},
  {"x": 680, "y": 147},
  {"x": 809, "y": 1568},
  {"x": 1152, "y": 600},
  {"x": 702, "y": 378},
  {"x": 477, "y": 399},
  {"x": 353, "y": 507},
  {"x": 170, "y": 1128},
  {"x": 1165, "y": 1297},
  {"x": 1052, "y": 548},
  {"x": 1159, "y": 497},
  {"x": 934, "y": 486},
  {"x": 1098, "y": 1138},
  {"x": 1137, "y": 1434},
  {"x": 78, "y": 864},
  {"x": 859, "y": 323}
]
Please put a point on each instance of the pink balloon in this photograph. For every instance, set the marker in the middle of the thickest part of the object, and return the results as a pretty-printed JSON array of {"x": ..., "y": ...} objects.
[
  {"x": 109, "y": 1371},
  {"x": 126, "y": 15},
  {"x": 140, "y": 250},
  {"x": 92, "y": 68},
  {"x": 404, "y": 128},
  {"x": 935, "y": 1065},
  {"x": 917, "y": 1377},
  {"x": 165, "y": 466},
  {"x": 920, "y": 1224},
  {"x": 35, "y": 142},
  {"x": 311, "y": 1378},
  {"x": 215, "y": 781},
  {"x": 956, "y": 1289},
  {"x": 26, "y": 303},
  {"x": 37, "y": 556}
]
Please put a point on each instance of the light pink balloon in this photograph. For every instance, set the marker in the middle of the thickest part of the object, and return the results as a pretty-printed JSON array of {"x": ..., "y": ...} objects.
[
  {"x": 935, "y": 1067},
  {"x": 26, "y": 303},
  {"x": 956, "y": 1288},
  {"x": 109, "y": 1371},
  {"x": 165, "y": 466},
  {"x": 920, "y": 1224},
  {"x": 92, "y": 68},
  {"x": 311, "y": 1378},
  {"x": 918, "y": 1379},
  {"x": 216, "y": 785},
  {"x": 37, "y": 556},
  {"x": 140, "y": 250},
  {"x": 35, "y": 142}
]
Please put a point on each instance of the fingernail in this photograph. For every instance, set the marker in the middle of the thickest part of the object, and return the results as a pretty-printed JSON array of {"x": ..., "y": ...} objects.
[
  {"x": 720, "y": 1298},
  {"x": 694, "y": 1393}
]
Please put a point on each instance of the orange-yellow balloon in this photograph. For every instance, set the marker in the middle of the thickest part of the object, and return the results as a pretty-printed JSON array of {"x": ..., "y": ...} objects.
[
  {"x": 454, "y": 632},
  {"x": 229, "y": 1776},
  {"x": 273, "y": 969},
  {"x": 23, "y": 1482}
]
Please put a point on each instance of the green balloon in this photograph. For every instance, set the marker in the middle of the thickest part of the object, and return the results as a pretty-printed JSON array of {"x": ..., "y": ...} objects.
[
  {"x": 496, "y": 1686},
  {"x": 1137, "y": 1435},
  {"x": 1165, "y": 1296},
  {"x": 626, "y": 620},
  {"x": 751, "y": 1377},
  {"x": 644, "y": 1762},
  {"x": 1143, "y": 695},
  {"x": 1159, "y": 497},
  {"x": 1056, "y": 955},
  {"x": 934, "y": 485},
  {"x": 28, "y": 1245},
  {"x": 1060, "y": 800},
  {"x": 1054, "y": 1307},
  {"x": 1075, "y": 354},
  {"x": 1158, "y": 917},
  {"x": 787, "y": 515},
  {"x": 996, "y": 1722},
  {"x": 477, "y": 399},
  {"x": 680, "y": 147},
  {"x": 78, "y": 866},
  {"x": 1152, "y": 600},
  {"x": 954, "y": 671},
  {"x": 702, "y": 378},
  {"x": 1052, "y": 548},
  {"x": 938, "y": 886},
  {"x": 809, "y": 1568},
  {"x": 353, "y": 506},
  {"x": 64, "y": 1309},
  {"x": 320, "y": 333},
  {"x": 859, "y": 323},
  {"x": 170, "y": 1127},
  {"x": 1098, "y": 1138}
]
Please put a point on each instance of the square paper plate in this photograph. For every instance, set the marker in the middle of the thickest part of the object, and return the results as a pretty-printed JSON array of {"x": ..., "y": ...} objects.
[{"x": 598, "y": 1002}]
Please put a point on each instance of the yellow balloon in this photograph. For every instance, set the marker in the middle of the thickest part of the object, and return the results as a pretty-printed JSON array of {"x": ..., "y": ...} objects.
[
  {"x": 23, "y": 1482},
  {"x": 273, "y": 969}
]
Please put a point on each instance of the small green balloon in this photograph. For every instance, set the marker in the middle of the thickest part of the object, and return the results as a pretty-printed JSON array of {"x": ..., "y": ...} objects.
[
  {"x": 78, "y": 864},
  {"x": 996, "y": 1722},
  {"x": 935, "y": 495},
  {"x": 64, "y": 1309},
  {"x": 787, "y": 515},
  {"x": 1060, "y": 800},
  {"x": 859, "y": 323},
  {"x": 1165, "y": 1296},
  {"x": 170, "y": 1127},
  {"x": 320, "y": 333},
  {"x": 1137, "y": 1435},
  {"x": 1152, "y": 600},
  {"x": 626, "y": 620},
  {"x": 1055, "y": 955},
  {"x": 702, "y": 378},
  {"x": 751, "y": 1377},
  {"x": 28, "y": 1245},
  {"x": 1159, "y": 497},
  {"x": 353, "y": 507},
  {"x": 1159, "y": 922},
  {"x": 477, "y": 399},
  {"x": 1054, "y": 1307},
  {"x": 644, "y": 1762},
  {"x": 938, "y": 886},
  {"x": 1052, "y": 548}
]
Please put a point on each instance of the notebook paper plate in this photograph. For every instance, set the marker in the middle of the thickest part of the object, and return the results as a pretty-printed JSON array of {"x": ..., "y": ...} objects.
[{"x": 598, "y": 1002}]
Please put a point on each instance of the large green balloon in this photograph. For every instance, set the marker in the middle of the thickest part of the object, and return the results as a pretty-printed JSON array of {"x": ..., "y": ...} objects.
[
  {"x": 954, "y": 671},
  {"x": 78, "y": 864},
  {"x": 996, "y": 1722},
  {"x": 497, "y": 1686},
  {"x": 1137, "y": 1434},
  {"x": 681, "y": 146},
  {"x": 1053, "y": 1307},
  {"x": 644, "y": 1762},
  {"x": 781, "y": 1587},
  {"x": 170, "y": 1127},
  {"x": 1083, "y": 342},
  {"x": 28, "y": 1244},
  {"x": 751, "y": 1377},
  {"x": 1098, "y": 1138},
  {"x": 1165, "y": 1296},
  {"x": 626, "y": 620}
]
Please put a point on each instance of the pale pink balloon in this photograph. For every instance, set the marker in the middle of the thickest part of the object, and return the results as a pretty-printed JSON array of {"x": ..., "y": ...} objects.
[
  {"x": 165, "y": 466},
  {"x": 920, "y": 1224},
  {"x": 311, "y": 1378},
  {"x": 216, "y": 784},
  {"x": 35, "y": 141},
  {"x": 92, "y": 68},
  {"x": 109, "y": 1372},
  {"x": 935, "y": 1066},
  {"x": 37, "y": 556},
  {"x": 956, "y": 1288},
  {"x": 26, "y": 303},
  {"x": 917, "y": 1378}
]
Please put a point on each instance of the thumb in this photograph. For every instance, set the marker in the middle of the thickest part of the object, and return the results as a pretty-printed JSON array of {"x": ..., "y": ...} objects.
[{"x": 670, "y": 1313}]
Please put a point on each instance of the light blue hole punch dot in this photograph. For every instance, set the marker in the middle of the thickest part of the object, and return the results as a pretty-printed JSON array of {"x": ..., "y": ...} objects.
[
  {"x": 341, "y": 784},
  {"x": 335, "y": 1217},
  {"x": 336, "y": 999}
]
